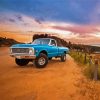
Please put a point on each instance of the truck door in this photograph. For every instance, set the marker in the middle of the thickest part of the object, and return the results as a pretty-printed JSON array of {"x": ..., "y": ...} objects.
[{"x": 53, "y": 51}]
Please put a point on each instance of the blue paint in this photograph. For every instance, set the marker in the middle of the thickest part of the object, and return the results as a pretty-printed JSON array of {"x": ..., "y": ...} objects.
[{"x": 52, "y": 51}]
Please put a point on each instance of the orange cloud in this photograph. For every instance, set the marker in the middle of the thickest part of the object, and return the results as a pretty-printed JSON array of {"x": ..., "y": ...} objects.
[{"x": 78, "y": 29}]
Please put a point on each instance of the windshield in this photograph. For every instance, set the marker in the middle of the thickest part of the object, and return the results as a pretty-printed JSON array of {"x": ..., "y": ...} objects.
[{"x": 41, "y": 41}]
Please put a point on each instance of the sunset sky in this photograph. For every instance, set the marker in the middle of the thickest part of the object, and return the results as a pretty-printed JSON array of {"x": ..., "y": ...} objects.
[{"x": 74, "y": 20}]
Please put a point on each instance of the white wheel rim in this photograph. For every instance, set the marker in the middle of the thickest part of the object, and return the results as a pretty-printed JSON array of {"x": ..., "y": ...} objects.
[{"x": 41, "y": 61}]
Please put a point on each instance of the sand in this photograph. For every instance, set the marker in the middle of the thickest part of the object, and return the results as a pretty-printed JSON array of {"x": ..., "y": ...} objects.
[{"x": 58, "y": 81}]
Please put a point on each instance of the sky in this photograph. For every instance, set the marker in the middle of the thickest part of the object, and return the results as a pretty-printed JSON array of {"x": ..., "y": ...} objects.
[{"x": 75, "y": 20}]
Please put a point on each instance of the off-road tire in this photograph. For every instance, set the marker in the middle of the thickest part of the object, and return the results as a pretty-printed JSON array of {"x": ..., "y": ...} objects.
[
  {"x": 21, "y": 62},
  {"x": 63, "y": 58},
  {"x": 41, "y": 61}
]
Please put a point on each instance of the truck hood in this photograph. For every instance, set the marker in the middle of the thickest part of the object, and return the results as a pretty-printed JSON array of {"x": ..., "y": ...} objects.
[{"x": 27, "y": 45}]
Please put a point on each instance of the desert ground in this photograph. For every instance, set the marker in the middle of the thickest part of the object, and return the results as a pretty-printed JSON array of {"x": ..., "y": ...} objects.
[{"x": 58, "y": 81}]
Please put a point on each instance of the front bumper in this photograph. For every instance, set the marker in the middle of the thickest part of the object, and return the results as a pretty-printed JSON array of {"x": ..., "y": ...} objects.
[{"x": 23, "y": 56}]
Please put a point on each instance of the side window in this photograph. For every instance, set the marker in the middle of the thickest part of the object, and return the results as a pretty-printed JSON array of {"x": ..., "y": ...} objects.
[{"x": 53, "y": 42}]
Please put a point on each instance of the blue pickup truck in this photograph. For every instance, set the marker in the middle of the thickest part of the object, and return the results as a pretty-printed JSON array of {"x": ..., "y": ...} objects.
[{"x": 39, "y": 51}]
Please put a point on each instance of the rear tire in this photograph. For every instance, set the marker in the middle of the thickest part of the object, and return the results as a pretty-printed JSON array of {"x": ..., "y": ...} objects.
[
  {"x": 63, "y": 58},
  {"x": 50, "y": 58},
  {"x": 21, "y": 62},
  {"x": 41, "y": 61}
]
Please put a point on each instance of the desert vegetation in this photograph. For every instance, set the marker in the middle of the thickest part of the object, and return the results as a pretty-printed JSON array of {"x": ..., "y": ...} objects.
[
  {"x": 88, "y": 57},
  {"x": 60, "y": 42},
  {"x": 7, "y": 42}
]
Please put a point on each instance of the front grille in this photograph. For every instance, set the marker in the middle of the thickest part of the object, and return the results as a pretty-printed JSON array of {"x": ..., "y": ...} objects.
[{"x": 20, "y": 50}]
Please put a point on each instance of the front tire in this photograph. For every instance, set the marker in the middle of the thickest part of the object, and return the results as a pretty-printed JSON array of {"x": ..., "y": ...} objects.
[
  {"x": 41, "y": 61},
  {"x": 63, "y": 58},
  {"x": 21, "y": 62}
]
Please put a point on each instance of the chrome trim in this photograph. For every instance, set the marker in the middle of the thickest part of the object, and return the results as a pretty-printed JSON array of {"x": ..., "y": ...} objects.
[
  {"x": 20, "y": 48},
  {"x": 23, "y": 56}
]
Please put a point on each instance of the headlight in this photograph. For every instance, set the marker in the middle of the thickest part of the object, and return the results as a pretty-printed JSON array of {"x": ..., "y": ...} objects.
[{"x": 31, "y": 51}]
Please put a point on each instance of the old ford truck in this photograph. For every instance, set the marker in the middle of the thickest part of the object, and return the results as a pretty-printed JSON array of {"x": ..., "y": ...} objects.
[{"x": 39, "y": 51}]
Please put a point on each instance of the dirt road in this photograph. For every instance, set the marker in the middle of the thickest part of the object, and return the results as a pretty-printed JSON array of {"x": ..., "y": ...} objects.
[{"x": 58, "y": 81}]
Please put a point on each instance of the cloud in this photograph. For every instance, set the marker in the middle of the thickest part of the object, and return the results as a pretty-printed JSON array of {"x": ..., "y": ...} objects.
[
  {"x": 12, "y": 20},
  {"x": 26, "y": 25},
  {"x": 69, "y": 11},
  {"x": 82, "y": 29},
  {"x": 19, "y": 17},
  {"x": 38, "y": 21}
]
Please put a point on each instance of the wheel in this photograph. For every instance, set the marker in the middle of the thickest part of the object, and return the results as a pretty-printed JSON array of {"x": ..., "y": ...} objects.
[
  {"x": 50, "y": 58},
  {"x": 21, "y": 62},
  {"x": 63, "y": 57},
  {"x": 41, "y": 61}
]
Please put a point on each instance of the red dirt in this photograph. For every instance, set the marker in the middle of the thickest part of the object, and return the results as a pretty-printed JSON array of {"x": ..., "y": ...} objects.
[{"x": 58, "y": 81}]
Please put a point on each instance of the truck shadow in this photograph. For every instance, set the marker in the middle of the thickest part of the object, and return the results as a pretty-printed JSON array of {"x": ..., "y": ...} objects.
[
  {"x": 53, "y": 62},
  {"x": 53, "y": 67}
]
